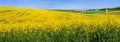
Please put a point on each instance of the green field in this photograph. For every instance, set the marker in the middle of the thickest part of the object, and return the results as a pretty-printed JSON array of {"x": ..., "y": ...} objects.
[{"x": 90, "y": 11}]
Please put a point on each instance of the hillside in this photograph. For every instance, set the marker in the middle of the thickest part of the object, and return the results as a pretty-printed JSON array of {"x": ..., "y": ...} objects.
[
  {"x": 24, "y": 15},
  {"x": 38, "y": 25}
]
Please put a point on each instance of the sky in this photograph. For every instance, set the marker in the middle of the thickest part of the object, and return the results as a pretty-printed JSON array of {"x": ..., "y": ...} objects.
[{"x": 61, "y": 4}]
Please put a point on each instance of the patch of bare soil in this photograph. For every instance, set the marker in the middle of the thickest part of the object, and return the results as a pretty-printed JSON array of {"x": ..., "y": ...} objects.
[{"x": 114, "y": 13}]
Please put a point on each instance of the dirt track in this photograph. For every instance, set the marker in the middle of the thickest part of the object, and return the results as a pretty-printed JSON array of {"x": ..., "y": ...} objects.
[
  {"x": 117, "y": 13},
  {"x": 111, "y": 13}
]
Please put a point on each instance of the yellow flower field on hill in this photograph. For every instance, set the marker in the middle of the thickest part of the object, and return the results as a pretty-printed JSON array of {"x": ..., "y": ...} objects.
[{"x": 37, "y": 25}]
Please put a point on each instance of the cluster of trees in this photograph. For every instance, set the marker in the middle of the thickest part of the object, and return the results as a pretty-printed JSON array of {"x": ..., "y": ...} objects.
[{"x": 115, "y": 8}]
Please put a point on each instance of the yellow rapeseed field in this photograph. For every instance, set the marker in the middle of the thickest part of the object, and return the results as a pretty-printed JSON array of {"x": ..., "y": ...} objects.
[{"x": 37, "y": 25}]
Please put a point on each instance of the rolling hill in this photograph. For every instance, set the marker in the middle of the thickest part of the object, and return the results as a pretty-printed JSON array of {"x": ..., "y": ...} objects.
[{"x": 38, "y": 25}]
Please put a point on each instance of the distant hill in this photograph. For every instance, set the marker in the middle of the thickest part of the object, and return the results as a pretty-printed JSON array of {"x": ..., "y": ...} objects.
[{"x": 92, "y": 11}]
